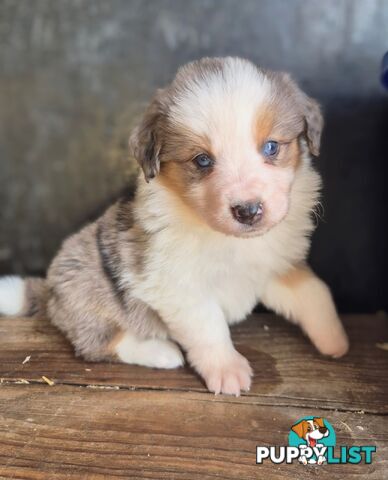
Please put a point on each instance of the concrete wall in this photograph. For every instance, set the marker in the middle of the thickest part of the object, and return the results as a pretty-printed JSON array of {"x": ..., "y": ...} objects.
[{"x": 75, "y": 73}]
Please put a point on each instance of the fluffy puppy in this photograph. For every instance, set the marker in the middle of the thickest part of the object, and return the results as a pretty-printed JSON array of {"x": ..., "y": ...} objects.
[{"x": 220, "y": 220}]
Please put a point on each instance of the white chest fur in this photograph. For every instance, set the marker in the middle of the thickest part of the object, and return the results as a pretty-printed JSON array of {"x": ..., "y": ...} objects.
[{"x": 193, "y": 267}]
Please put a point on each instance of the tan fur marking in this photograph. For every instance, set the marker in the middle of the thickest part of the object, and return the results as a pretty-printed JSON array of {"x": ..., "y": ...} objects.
[
  {"x": 111, "y": 348},
  {"x": 263, "y": 128},
  {"x": 171, "y": 176},
  {"x": 266, "y": 128},
  {"x": 293, "y": 154},
  {"x": 295, "y": 277}
]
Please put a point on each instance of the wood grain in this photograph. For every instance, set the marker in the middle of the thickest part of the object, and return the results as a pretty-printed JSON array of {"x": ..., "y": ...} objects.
[
  {"x": 288, "y": 370},
  {"x": 75, "y": 432},
  {"x": 105, "y": 420}
]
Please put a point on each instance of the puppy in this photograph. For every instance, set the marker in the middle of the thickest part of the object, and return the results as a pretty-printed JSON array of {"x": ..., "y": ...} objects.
[
  {"x": 221, "y": 219},
  {"x": 311, "y": 431}
]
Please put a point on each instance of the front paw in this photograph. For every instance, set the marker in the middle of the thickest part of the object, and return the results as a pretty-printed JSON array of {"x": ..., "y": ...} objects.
[
  {"x": 334, "y": 343},
  {"x": 225, "y": 372}
]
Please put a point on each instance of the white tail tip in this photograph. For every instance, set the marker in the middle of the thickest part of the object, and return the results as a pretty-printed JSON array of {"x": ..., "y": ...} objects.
[{"x": 12, "y": 295}]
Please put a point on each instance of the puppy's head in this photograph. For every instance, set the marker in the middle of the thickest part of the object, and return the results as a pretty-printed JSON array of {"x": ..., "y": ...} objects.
[
  {"x": 225, "y": 138},
  {"x": 311, "y": 430}
]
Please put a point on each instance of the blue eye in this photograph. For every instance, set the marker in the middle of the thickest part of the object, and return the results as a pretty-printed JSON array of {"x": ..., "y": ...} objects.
[
  {"x": 270, "y": 148},
  {"x": 203, "y": 160}
]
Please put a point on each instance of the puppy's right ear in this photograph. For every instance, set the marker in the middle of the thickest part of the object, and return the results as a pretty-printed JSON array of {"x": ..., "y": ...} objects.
[
  {"x": 300, "y": 428},
  {"x": 145, "y": 141}
]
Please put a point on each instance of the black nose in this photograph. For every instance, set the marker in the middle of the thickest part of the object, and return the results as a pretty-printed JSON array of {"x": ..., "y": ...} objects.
[
  {"x": 248, "y": 212},
  {"x": 323, "y": 430}
]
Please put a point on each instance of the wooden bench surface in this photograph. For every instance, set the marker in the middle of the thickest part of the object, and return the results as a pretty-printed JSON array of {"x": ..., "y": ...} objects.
[{"x": 106, "y": 420}]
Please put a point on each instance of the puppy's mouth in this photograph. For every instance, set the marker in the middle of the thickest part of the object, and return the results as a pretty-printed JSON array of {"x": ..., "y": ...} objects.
[
  {"x": 254, "y": 229},
  {"x": 249, "y": 231},
  {"x": 312, "y": 442}
]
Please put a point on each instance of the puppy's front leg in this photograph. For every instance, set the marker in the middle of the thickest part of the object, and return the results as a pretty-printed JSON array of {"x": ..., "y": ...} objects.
[
  {"x": 303, "y": 298},
  {"x": 321, "y": 460},
  {"x": 203, "y": 332}
]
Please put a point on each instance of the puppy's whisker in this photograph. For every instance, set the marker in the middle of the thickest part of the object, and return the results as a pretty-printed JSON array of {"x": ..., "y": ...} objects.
[{"x": 318, "y": 212}]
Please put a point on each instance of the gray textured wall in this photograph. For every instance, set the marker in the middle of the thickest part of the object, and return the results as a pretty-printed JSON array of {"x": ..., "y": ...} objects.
[{"x": 75, "y": 73}]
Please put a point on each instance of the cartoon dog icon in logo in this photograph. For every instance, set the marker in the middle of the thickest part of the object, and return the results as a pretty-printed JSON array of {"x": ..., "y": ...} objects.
[{"x": 311, "y": 431}]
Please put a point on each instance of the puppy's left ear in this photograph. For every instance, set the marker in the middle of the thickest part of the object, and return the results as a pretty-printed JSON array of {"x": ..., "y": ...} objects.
[
  {"x": 309, "y": 109},
  {"x": 314, "y": 124},
  {"x": 145, "y": 141},
  {"x": 319, "y": 421}
]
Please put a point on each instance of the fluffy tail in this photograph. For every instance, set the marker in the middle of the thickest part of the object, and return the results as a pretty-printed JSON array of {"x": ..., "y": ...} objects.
[{"x": 22, "y": 296}]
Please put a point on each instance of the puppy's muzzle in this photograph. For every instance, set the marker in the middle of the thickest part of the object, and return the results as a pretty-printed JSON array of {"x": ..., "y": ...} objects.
[{"x": 248, "y": 212}]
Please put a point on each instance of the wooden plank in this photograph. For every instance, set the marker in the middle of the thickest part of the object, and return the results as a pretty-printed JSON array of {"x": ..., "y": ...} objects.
[
  {"x": 288, "y": 370},
  {"x": 75, "y": 432}
]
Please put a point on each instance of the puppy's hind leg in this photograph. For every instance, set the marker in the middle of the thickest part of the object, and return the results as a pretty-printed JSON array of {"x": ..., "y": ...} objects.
[
  {"x": 96, "y": 338},
  {"x": 148, "y": 352}
]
